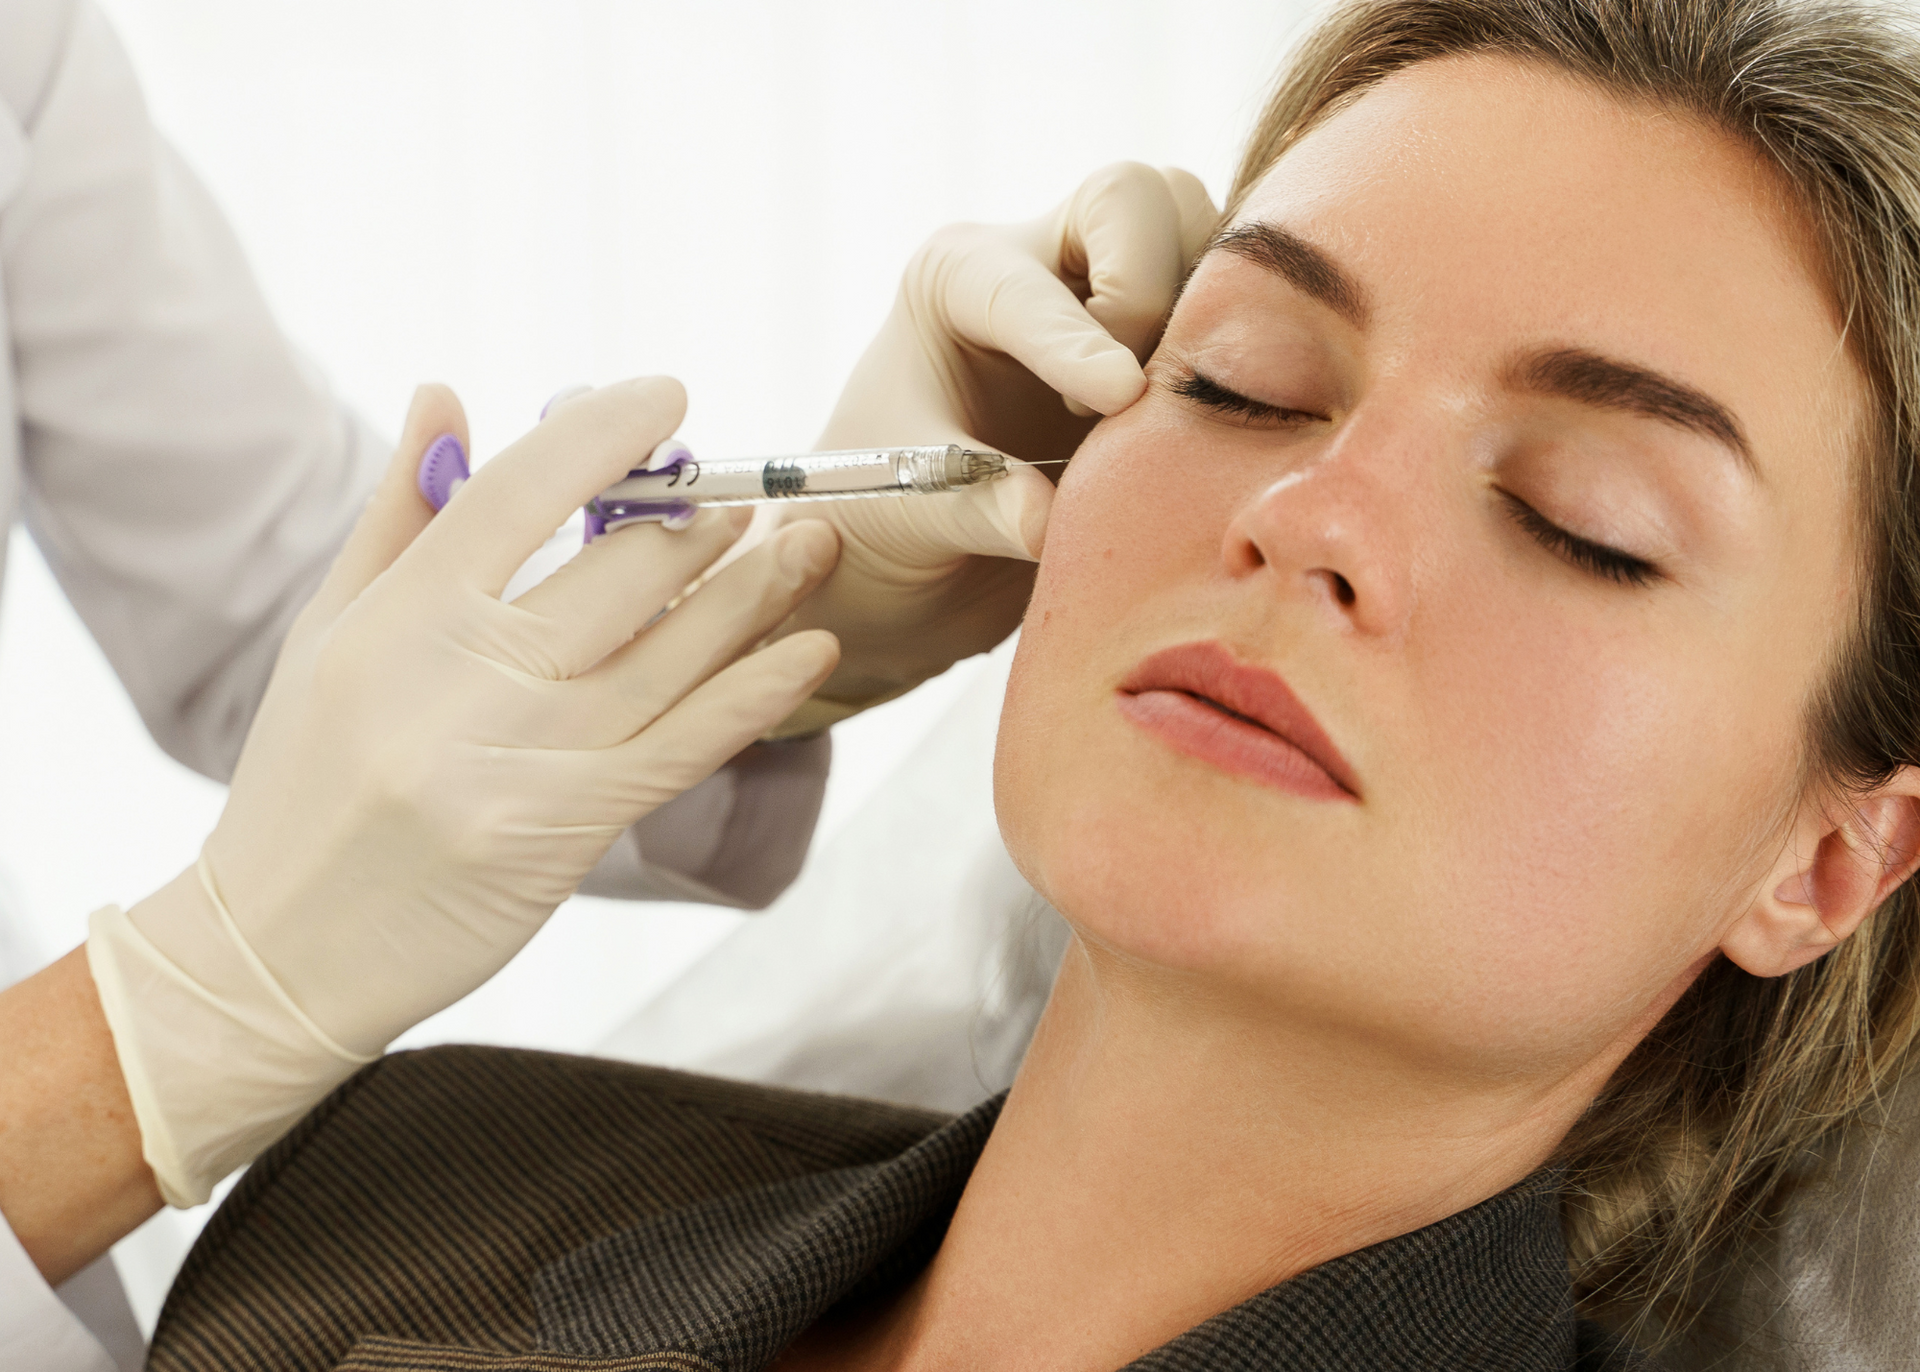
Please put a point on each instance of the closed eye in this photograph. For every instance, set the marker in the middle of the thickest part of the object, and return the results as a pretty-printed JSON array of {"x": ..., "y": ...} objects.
[
  {"x": 1610, "y": 564},
  {"x": 1204, "y": 390}
]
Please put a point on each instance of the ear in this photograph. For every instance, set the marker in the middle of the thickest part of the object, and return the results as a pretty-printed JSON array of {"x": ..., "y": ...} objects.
[{"x": 1841, "y": 861}]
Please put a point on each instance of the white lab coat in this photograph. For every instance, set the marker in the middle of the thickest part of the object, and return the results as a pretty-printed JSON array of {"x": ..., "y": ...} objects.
[{"x": 188, "y": 478}]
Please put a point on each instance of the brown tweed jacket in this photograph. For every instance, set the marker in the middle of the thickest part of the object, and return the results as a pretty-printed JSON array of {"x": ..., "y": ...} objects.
[{"x": 491, "y": 1210}]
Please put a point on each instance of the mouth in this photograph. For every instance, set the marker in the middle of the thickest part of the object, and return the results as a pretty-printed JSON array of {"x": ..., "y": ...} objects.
[{"x": 1202, "y": 701}]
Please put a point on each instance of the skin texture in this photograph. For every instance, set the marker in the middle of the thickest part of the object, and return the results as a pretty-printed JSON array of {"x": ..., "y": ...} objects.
[
  {"x": 1289, "y": 1026},
  {"x": 72, "y": 1180}
]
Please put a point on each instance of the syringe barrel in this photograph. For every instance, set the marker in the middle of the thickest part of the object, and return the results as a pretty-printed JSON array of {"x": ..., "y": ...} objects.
[
  {"x": 812, "y": 476},
  {"x": 922, "y": 471}
]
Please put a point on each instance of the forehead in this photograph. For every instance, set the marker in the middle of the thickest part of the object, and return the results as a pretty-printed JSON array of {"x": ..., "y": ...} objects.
[{"x": 1488, "y": 201}]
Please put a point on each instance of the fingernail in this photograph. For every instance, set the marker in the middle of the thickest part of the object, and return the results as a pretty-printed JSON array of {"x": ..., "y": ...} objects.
[
  {"x": 1795, "y": 890},
  {"x": 564, "y": 393},
  {"x": 443, "y": 471}
]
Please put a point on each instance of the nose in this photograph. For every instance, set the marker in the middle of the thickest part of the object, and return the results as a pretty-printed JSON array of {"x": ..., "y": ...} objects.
[{"x": 1340, "y": 531}]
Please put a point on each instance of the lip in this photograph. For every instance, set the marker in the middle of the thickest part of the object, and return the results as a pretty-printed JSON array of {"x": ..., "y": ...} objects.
[{"x": 1202, "y": 701}]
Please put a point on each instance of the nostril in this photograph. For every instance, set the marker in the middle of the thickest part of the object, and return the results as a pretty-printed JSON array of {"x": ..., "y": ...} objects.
[{"x": 1343, "y": 590}]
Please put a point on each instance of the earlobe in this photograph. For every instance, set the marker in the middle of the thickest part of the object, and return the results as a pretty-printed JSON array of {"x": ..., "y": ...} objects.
[
  {"x": 1782, "y": 931},
  {"x": 1838, "y": 868}
]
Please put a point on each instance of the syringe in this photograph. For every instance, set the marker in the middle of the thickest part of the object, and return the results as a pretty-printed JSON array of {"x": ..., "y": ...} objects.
[{"x": 674, "y": 484}]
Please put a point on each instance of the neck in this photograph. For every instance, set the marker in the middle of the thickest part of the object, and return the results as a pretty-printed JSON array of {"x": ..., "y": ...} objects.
[{"x": 1165, "y": 1156}]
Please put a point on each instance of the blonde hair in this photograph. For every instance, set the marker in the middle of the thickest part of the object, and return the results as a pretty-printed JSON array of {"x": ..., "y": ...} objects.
[{"x": 1709, "y": 1124}]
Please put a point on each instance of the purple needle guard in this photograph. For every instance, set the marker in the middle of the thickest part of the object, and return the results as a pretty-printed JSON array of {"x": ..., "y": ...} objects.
[{"x": 443, "y": 470}]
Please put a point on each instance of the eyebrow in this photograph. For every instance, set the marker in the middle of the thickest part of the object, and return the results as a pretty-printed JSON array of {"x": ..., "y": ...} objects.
[
  {"x": 1590, "y": 379},
  {"x": 1573, "y": 373},
  {"x": 1296, "y": 261}
]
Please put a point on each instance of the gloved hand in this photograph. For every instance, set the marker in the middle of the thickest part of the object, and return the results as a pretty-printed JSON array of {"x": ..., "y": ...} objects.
[
  {"x": 993, "y": 327},
  {"x": 432, "y": 771}
]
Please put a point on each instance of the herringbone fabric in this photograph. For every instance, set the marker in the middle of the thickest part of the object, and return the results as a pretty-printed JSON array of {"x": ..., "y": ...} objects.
[
  {"x": 734, "y": 1278},
  {"x": 419, "y": 1201},
  {"x": 487, "y": 1210}
]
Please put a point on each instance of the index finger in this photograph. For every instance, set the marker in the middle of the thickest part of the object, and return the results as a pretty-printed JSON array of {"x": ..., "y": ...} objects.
[
  {"x": 1122, "y": 231},
  {"x": 1199, "y": 216},
  {"x": 990, "y": 290},
  {"x": 514, "y": 503}
]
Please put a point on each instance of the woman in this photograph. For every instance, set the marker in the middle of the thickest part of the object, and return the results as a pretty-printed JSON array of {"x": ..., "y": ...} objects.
[{"x": 1464, "y": 714}]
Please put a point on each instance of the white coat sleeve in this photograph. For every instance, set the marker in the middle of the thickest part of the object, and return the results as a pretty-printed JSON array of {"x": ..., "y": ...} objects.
[
  {"x": 189, "y": 477},
  {"x": 37, "y": 1331}
]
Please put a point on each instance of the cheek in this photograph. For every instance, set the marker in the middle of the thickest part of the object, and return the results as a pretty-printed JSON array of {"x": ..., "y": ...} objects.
[
  {"x": 1598, "y": 793},
  {"x": 1120, "y": 556},
  {"x": 1143, "y": 508}
]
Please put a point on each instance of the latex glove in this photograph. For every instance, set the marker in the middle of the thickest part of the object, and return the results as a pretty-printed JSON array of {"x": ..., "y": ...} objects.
[
  {"x": 993, "y": 327},
  {"x": 433, "y": 770}
]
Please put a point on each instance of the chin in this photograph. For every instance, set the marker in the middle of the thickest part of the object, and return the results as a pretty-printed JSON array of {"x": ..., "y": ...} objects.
[{"x": 1149, "y": 868}]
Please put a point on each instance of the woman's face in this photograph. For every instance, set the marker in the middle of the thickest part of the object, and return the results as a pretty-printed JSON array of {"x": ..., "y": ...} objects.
[{"x": 1426, "y": 654}]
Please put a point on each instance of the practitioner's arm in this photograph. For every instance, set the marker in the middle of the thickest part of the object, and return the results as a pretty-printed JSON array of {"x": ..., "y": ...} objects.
[
  {"x": 432, "y": 772},
  {"x": 188, "y": 475},
  {"x": 72, "y": 1180}
]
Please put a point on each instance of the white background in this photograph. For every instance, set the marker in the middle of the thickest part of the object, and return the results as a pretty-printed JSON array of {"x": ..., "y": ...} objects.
[{"x": 515, "y": 195}]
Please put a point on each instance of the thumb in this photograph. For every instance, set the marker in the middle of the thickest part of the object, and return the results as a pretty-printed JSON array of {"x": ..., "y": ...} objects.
[
  {"x": 1006, "y": 517},
  {"x": 397, "y": 512},
  {"x": 1016, "y": 525}
]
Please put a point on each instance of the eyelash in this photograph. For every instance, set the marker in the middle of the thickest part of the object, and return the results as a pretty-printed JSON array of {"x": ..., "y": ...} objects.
[
  {"x": 1597, "y": 559},
  {"x": 1204, "y": 390},
  {"x": 1609, "y": 564}
]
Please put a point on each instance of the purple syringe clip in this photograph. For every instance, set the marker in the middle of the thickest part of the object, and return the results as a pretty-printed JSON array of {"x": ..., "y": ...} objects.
[
  {"x": 665, "y": 463},
  {"x": 443, "y": 467},
  {"x": 443, "y": 471}
]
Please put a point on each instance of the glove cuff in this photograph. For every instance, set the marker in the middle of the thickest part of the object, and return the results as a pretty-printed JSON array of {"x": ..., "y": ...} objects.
[{"x": 216, "y": 1072}]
